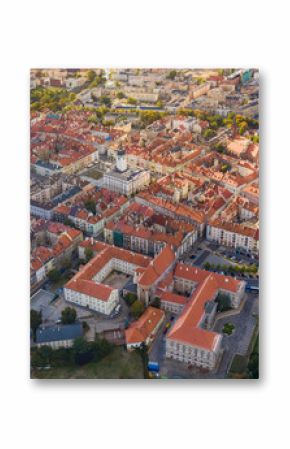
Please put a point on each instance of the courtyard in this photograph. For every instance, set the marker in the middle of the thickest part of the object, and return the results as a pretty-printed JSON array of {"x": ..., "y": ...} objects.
[{"x": 116, "y": 279}]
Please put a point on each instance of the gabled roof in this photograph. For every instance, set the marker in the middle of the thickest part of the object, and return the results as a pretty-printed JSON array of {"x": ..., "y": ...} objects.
[
  {"x": 157, "y": 267},
  {"x": 141, "y": 329}
]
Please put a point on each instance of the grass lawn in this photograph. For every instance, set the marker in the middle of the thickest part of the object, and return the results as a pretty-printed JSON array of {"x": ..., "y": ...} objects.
[{"x": 120, "y": 364}]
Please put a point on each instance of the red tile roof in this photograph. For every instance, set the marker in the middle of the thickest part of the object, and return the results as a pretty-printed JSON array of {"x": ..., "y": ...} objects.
[
  {"x": 173, "y": 297},
  {"x": 140, "y": 330},
  {"x": 157, "y": 267},
  {"x": 186, "y": 329}
]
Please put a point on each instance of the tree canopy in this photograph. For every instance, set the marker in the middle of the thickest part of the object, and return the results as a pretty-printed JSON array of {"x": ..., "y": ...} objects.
[
  {"x": 54, "y": 99},
  {"x": 89, "y": 254},
  {"x": 68, "y": 315},
  {"x": 137, "y": 308},
  {"x": 35, "y": 321}
]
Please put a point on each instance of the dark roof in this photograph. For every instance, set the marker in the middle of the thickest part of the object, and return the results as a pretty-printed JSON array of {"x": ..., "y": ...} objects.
[{"x": 58, "y": 333}]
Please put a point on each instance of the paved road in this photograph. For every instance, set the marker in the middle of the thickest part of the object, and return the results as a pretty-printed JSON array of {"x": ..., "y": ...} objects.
[
  {"x": 157, "y": 350},
  {"x": 202, "y": 257}
]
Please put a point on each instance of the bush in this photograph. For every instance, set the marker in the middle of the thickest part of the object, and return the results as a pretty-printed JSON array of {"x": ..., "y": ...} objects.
[
  {"x": 207, "y": 266},
  {"x": 130, "y": 298},
  {"x": 81, "y": 353},
  {"x": 224, "y": 302},
  {"x": 137, "y": 308},
  {"x": 54, "y": 275},
  {"x": 35, "y": 321},
  {"x": 156, "y": 302},
  {"x": 89, "y": 254},
  {"x": 208, "y": 133},
  {"x": 68, "y": 315},
  {"x": 228, "y": 328},
  {"x": 85, "y": 325}
]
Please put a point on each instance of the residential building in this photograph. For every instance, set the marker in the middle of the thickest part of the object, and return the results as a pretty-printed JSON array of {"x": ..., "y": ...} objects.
[
  {"x": 233, "y": 234},
  {"x": 144, "y": 330}
]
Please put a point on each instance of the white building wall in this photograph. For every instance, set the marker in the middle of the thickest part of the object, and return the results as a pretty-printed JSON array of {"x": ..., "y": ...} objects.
[{"x": 92, "y": 303}]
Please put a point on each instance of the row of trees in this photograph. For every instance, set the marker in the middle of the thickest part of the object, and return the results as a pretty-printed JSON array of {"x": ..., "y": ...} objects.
[
  {"x": 253, "y": 364},
  {"x": 231, "y": 268},
  {"x": 216, "y": 121},
  {"x": 81, "y": 353}
]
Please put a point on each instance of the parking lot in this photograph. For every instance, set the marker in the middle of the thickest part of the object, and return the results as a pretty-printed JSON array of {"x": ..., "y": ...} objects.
[
  {"x": 220, "y": 257},
  {"x": 42, "y": 301}
]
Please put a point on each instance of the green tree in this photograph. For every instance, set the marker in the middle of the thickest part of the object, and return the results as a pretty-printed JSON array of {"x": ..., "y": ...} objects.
[
  {"x": 61, "y": 357},
  {"x": 225, "y": 168},
  {"x": 220, "y": 148},
  {"x": 130, "y": 298},
  {"x": 199, "y": 80},
  {"x": 54, "y": 275},
  {"x": 137, "y": 308},
  {"x": 148, "y": 117},
  {"x": 91, "y": 75},
  {"x": 83, "y": 351},
  {"x": 35, "y": 321},
  {"x": 66, "y": 263},
  {"x": 89, "y": 254},
  {"x": 131, "y": 100},
  {"x": 255, "y": 138},
  {"x": 90, "y": 205},
  {"x": 68, "y": 222},
  {"x": 101, "y": 347},
  {"x": 85, "y": 325},
  {"x": 106, "y": 101},
  {"x": 172, "y": 74},
  {"x": 68, "y": 315},
  {"x": 224, "y": 302},
  {"x": 120, "y": 95},
  {"x": 208, "y": 133},
  {"x": 243, "y": 126},
  {"x": 253, "y": 366},
  {"x": 156, "y": 302}
]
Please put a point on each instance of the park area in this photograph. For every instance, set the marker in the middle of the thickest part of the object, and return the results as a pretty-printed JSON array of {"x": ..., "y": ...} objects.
[{"x": 119, "y": 364}]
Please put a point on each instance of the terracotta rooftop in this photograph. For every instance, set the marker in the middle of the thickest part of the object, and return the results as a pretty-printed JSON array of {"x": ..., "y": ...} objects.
[
  {"x": 186, "y": 329},
  {"x": 157, "y": 267},
  {"x": 141, "y": 329}
]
